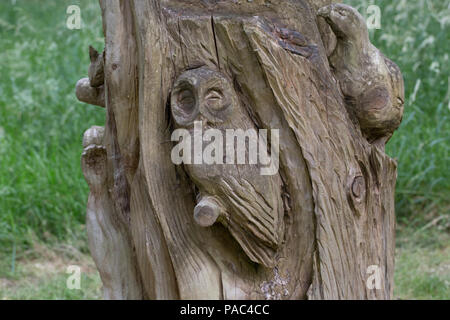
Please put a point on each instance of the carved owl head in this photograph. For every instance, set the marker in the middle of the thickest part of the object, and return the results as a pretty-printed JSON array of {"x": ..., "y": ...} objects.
[
  {"x": 346, "y": 22},
  {"x": 202, "y": 95}
]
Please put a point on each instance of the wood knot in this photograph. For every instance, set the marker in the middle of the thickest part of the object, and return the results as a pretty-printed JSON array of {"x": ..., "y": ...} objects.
[
  {"x": 294, "y": 42},
  {"x": 359, "y": 187},
  {"x": 356, "y": 193},
  {"x": 292, "y": 36}
]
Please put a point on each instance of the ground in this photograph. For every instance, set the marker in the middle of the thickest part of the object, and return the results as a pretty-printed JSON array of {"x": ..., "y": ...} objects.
[{"x": 41, "y": 273}]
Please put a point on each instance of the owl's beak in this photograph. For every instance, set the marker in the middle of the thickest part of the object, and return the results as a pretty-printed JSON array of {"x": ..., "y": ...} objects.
[{"x": 204, "y": 121}]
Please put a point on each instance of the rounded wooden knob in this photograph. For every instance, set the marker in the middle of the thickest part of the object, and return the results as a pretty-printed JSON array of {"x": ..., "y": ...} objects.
[{"x": 206, "y": 212}]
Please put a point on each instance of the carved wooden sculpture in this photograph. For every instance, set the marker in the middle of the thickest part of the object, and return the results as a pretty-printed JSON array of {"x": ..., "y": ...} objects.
[{"x": 162, "y": 230}]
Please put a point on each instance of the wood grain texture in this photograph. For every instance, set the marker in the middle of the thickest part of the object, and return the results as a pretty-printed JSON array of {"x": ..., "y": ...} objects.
[{"x": 225, "y": 232}]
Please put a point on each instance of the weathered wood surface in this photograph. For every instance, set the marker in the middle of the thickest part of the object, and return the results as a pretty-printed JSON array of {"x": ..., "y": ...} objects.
[{"x": 163, "y": 231}]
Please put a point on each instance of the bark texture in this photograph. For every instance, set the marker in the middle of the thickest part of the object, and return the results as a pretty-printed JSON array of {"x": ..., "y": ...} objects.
[{"x": 305, "y": 67}]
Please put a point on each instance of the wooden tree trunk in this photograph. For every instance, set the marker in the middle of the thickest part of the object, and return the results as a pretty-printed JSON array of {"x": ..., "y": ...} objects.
[{"x": 311, "y": 231}]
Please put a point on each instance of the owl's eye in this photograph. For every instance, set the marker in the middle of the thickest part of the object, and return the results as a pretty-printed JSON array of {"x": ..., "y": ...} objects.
[
  {"x": 214, "y": 99},
  {"x": 186, "y": 100}
]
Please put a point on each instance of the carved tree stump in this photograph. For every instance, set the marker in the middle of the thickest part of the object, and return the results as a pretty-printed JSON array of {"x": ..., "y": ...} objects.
[{"x": 159, "y": 230}]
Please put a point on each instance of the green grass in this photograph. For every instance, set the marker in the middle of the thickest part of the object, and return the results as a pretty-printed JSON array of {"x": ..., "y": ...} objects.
[
  {"x": 42, "y": 190},
  {"x": 43, "y": 193}
]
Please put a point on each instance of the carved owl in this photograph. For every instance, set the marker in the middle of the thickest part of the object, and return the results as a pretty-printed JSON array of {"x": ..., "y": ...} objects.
[
  {"x": 249, "y": 204},
  {"x": 372, "y": 84}
]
